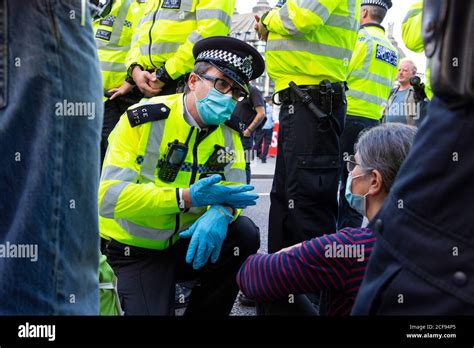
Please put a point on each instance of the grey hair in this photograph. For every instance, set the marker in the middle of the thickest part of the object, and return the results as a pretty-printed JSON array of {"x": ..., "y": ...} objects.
[
  {"x": 376, "y": 13},
  {"x": 384, "y": 148},
  {"x": 199, "y": 69},
  {"x": 412, "y": 64}
]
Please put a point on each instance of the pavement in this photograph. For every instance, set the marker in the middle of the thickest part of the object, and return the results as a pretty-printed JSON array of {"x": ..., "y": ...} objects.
[{"x": 261, "y": 170}]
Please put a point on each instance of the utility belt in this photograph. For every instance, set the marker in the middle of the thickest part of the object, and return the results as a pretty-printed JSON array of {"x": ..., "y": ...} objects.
[{"x": 327, "y": 96}]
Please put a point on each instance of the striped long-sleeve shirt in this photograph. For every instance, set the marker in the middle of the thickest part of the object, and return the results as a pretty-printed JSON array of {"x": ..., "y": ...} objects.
[{"x": 335, "y": 263}]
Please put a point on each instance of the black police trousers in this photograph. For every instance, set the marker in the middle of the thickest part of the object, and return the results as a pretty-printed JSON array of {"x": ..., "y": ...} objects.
[
  {"x": 423, "y": 261},
  {"x": 348, "y": 217},
  {"x": 147, "y": 278},
  {"x": 305, "y": 186}
]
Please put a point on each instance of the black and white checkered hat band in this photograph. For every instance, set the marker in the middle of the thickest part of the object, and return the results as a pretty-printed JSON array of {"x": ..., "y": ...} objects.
[
  {"x": 375, "y": 2},
  {"x": 244, "y": 65}
]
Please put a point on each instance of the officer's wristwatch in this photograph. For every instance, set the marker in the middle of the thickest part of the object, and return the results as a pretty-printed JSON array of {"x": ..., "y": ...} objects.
[
  {"x": 162, "y": 75},
  {"x": 130, "y": 69}
]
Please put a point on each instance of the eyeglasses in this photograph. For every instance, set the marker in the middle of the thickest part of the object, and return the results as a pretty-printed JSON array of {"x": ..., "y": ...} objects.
[
  {"x": 225, "y": 87},
  {"x": 351, "y": 163}
]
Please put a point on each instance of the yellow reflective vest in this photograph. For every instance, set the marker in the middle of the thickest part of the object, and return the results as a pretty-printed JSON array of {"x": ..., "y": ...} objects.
[
  {"x": 137, "y": 208},
  {"x": 310, "y": 40},
  {"x": 411, "y": 36},
  {"x": 113, "y": 35},
  {"x": 169, "y": 29},
  {"x": 372, "y": 70}
]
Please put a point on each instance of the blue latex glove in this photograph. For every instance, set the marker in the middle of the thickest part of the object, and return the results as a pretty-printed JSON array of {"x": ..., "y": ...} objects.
[
  {"x": 207, "y": 235},
  {"x": 208, "y": 192}
]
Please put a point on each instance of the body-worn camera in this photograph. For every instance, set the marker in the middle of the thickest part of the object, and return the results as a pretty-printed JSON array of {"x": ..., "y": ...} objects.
[
  {"x": 174, "y": 158},
  {"x": 219, "y": 159}
]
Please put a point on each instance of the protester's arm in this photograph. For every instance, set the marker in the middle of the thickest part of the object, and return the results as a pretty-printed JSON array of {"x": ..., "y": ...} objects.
[{"x": 303, "y": 269}]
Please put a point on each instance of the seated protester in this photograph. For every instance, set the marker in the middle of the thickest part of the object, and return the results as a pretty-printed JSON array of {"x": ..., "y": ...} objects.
[{"x": 335, "y": 262}]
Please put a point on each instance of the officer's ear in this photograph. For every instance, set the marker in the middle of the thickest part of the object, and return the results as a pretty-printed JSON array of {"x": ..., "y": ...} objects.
[
  {"x": 192, "y": 81},
  {"x": 376, "y": 183}
]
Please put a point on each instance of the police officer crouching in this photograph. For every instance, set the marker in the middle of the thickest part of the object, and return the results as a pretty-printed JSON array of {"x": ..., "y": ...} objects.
[{"x": 172, "y": 189}]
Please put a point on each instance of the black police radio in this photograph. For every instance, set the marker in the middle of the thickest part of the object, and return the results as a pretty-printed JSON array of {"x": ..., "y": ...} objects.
[{"x": 173, "y": 161}]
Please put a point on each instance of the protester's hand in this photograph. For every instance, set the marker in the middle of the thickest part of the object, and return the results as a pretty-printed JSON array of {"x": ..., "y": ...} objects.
[
  {"x": 207, "y": 235},
  {"x": 124, "y": 88},
  {"x": 246, "y": 133},
  {"x": 142, "y": 79},
  {"x": 207, "y": 191},
  {"x": 260, "y": 29}
]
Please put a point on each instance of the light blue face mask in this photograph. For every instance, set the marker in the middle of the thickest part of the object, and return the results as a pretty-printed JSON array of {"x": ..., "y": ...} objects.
[
  {"x": 357, "y": 202},
  {"x": 215, "y": 108}
]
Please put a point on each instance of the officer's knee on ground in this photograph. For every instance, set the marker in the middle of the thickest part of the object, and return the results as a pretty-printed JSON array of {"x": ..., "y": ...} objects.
[{"x": 246, "y": 236}]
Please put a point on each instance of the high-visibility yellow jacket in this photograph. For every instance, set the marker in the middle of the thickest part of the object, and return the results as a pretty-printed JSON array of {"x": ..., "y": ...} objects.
[
  {"x": 372, "y": 70},
  {"x": 311, "y": 40},
  {"x": 137, "y": 208},
  {"x": 169, "y": 29},
  {"x": 113, "y": 35},
  {"x": 411, "y": 36}
]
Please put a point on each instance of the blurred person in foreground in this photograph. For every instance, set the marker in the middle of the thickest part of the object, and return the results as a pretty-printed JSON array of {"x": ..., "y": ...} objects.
[
  {"x": 50, "y": 120},
  {"x": 423, "y": 262}
]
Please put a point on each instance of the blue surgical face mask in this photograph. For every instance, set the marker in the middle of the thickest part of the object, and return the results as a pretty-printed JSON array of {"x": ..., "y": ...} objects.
[
  {"x": 357, "y": 202},
  {"x": 215, "y": 108}
]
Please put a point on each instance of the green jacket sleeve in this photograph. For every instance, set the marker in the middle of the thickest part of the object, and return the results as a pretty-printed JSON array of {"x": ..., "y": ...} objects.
[{"x": 411, "y": 28}]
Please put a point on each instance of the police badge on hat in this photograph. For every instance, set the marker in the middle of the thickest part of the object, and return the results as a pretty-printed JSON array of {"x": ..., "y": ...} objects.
[{"x": 234, "y": 58}]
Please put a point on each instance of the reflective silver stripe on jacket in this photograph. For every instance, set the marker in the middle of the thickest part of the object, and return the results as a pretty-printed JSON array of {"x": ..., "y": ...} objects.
[
  {"x": 367, "y": 97},
  {"x": 214, "y": 14},
  {"x": 350, "y": 22},
  {"x": 314, "y": 6},
  {"x": 152, "y": 151},
  {"x": 147, "y": 232},
  {"x": 113, "y": 43},
  {"x": 411, "y": 14},
  {"x": 110, "y": 199},
  {"x": 160, "y": 48},
  {"x": 310, "y": 47},
  {"x": 194, "y": 37},
  {"x": 112, "y": 66},
  {"x": 116, "y": 173},
  {"x": 365, "y": 75},
  {"x": 179, "y": 16},
  {"x": 144, "y": 232},
  {"x": 232, "y": 174}
]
